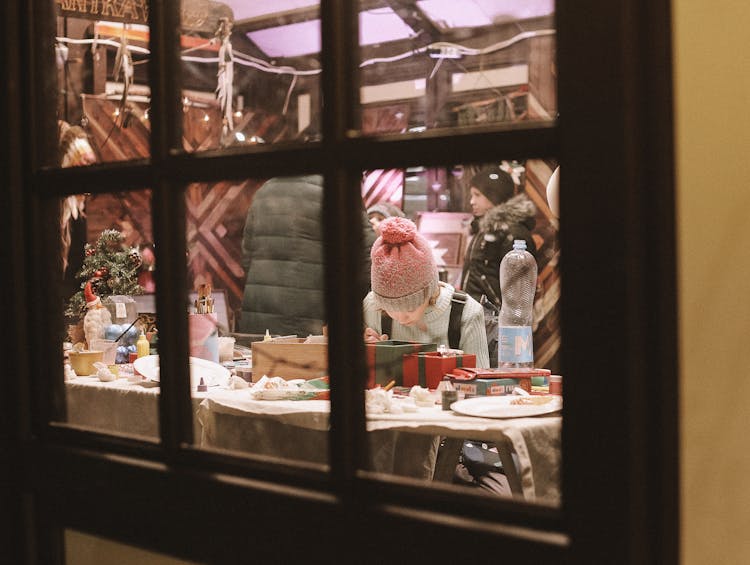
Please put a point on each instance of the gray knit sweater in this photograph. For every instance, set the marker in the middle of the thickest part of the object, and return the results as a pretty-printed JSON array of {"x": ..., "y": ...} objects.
[{"x": 473, "y": 336}]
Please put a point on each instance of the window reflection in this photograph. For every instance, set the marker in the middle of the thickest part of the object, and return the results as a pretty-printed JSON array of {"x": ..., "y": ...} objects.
[
  {"x": 441, "y": 406},
  {"x": 250, "y": 73},
  {"x": 110, "y": 312},
  {"x": 102, "y": 79},
  {"x": 436, "y": 64}
]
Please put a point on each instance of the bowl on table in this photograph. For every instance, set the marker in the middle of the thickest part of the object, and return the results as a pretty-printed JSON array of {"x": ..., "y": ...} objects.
[{"x": 82, "y": 362}]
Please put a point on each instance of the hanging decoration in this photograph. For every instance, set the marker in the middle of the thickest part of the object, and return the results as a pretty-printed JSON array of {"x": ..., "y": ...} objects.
[
  {"x": 225, "y": 76},
  {"x": 124, "y": 64}
]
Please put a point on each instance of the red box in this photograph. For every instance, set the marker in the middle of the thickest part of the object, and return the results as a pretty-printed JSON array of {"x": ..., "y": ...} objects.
[
  {"x": 428, "y": 369},
  {"x": 385, "y": 360}
]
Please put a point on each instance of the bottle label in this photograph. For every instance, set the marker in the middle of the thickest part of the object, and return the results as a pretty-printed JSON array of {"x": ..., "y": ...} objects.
[{"x": 515, "y": 344}]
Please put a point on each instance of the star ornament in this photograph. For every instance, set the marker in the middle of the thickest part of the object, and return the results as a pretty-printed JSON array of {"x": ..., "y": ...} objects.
[{"x": 438, "y": 252}]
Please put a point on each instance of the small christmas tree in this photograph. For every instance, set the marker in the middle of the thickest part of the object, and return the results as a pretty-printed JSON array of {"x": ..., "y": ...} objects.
[{"x": 111, "y": 267}]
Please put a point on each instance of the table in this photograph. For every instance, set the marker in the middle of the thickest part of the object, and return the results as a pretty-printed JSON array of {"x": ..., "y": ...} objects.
[
  {"x": 235, "y": 421},
  {"x": 401, "y": 444},
  {"x": 118, "y": 407}
]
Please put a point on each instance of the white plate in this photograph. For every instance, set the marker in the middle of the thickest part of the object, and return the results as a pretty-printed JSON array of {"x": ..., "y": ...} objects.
[
  {"x": 212, "y": 373},
  {"x": 501, "y": 407}
]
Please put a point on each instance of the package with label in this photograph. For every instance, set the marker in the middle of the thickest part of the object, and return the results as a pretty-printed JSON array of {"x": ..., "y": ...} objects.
[
  {"x": 427, "y": 369},
  {"x": 495, "y": 382},
  {"x": 385, "y": 360}
]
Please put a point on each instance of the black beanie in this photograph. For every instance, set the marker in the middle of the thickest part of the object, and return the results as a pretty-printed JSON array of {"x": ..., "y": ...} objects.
[{"x": 494, "y": 183}]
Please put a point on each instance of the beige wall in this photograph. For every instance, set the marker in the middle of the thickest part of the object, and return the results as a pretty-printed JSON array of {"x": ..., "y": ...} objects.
[
  {"x": 83, "y": 549},
  {"x": 712, "y": 94}
]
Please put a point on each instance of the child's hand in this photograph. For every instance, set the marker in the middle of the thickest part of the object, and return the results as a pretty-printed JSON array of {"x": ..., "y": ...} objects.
[{"x": 371, "y": 336}]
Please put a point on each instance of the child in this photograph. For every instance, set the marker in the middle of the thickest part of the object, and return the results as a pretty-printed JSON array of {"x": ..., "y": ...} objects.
[{"x": 405, "y": 285}]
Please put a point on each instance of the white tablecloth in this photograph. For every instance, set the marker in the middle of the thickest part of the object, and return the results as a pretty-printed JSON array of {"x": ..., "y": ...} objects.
[
  {"x": 402, "y": 444},
  {"x": 536, "y": 441}
]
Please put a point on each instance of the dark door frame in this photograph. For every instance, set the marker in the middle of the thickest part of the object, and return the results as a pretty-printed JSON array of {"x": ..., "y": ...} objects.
[{"x": 620, "y": 444}]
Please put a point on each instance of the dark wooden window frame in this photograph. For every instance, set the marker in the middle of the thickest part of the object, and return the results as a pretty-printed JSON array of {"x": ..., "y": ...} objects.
[{"x": 620, "y": 490}]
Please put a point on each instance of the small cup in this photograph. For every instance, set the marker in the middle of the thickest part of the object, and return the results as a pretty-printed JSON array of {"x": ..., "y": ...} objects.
[
  {"x": 226, "y": 349},
  {"x": 108, "y": 346},
  {"x": 555, "y": 385},
  {"x": 448, "y": 398}
]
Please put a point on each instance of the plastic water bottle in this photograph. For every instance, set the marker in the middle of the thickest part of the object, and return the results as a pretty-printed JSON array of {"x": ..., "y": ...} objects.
[{"x": 518, "y": 273}]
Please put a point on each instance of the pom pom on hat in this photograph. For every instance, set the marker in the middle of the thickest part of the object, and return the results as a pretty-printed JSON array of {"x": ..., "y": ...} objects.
[
  {"x": 495, "y": 183},
  {"x": 404, "y": 272},
  {"x": 91, "y": 298}
]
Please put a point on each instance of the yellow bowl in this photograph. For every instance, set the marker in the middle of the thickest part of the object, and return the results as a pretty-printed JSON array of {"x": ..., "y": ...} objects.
[{"x": 82, "y": 362}]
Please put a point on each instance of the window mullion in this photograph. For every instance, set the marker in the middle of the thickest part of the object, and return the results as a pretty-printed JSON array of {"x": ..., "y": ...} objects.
[
  {"x": 346, "y": 351},
  {"x": 168, "y": 206}
]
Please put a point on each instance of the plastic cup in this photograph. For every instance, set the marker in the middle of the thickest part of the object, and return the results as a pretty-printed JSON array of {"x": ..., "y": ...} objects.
[{"x": 108, "y": 347}]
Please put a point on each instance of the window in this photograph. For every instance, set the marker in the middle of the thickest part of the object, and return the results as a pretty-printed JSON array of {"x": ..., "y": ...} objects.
[{"x": 182, "y": 489}]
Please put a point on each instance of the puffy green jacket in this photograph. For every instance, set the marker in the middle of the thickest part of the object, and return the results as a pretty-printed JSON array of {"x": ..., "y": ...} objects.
[{"x": 282, "y": 253}]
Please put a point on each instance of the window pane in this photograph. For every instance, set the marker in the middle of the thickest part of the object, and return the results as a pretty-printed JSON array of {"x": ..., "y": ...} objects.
[
  {"x": 102, "y": 54},
  {"x": 110, "y": 312},
  {"x": 428, "y": 64},
  {"x": 257, "y": 317},
  {"x": 443, "y": 229},
  {"x": 250, "y": 73}
]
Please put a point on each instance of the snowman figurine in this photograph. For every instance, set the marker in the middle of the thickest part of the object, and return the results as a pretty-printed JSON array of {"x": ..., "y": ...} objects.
[{"x": 97, "y": 317}]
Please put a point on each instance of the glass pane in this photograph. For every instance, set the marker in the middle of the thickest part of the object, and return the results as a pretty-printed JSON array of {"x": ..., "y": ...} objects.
[
  {"x": 250, "y": 73},
  {"x": 257, "y": 317},
  {"x": 85, "y": 549},
  {"x": 102, "y": 53},
  {"x": 428, "y": 64},
  {"x": 447, "y": 229},
  {"x": 110, "y": 312}
]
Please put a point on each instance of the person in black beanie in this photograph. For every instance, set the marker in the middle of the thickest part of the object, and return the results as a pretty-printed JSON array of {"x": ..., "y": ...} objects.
[{"x": 500, "y": 216}]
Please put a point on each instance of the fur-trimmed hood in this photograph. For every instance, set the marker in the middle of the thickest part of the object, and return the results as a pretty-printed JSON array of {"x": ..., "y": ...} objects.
[{"x": 516, "y": 210}]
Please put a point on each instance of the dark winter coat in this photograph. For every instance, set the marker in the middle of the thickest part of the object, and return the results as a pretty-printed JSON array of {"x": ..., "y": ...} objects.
[
  {"x": 282, "y": 253},
  {"x": 493, "y": 237}
]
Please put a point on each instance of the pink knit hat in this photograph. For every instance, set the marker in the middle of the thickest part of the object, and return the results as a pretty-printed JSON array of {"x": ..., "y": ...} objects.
[{"x": 404, "y": 273}]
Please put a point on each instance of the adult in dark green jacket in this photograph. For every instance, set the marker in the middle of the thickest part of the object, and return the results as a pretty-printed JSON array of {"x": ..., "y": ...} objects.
[{"x": 282, "y": 253}]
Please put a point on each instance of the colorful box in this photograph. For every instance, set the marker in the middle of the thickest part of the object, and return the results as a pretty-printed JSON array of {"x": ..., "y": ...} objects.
[
  {"x": 496, "y": 382},
  {"x": 428, "y": 369},
  {"x": 385, "y": 360},
  {"x": 489, "y": 387}
]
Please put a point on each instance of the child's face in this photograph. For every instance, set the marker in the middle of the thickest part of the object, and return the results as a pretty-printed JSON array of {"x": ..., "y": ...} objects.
[
  {"x": 479, "y": 202},
  {"x": 412, "y": 317}
]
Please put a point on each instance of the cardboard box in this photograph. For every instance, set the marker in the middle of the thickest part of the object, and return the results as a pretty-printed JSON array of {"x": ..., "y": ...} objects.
[
  {"x": 385, "y": 360},
  {"x": 289, "y": 359},
  {"x": 489, "y": 387},
  {"x": 495, "y": 382},
  {"x": 428, "y": 369}
]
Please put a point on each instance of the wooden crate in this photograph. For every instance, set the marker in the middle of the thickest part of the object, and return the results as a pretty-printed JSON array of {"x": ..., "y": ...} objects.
[{"x": 289, "y": 359}]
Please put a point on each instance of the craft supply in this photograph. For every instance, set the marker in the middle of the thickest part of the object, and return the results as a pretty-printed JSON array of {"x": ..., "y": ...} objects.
[{"x": 204, "y": 304}]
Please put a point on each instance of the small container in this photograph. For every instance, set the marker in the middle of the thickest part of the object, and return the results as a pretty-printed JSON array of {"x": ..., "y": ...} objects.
[
  {"x": 245, "y": 373},
  {"x": 142, "y": 346},
  {"x": 555, "y": 385},
  {"x": 448, "y": 393},
  {"x": 448, "y": 398}
]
